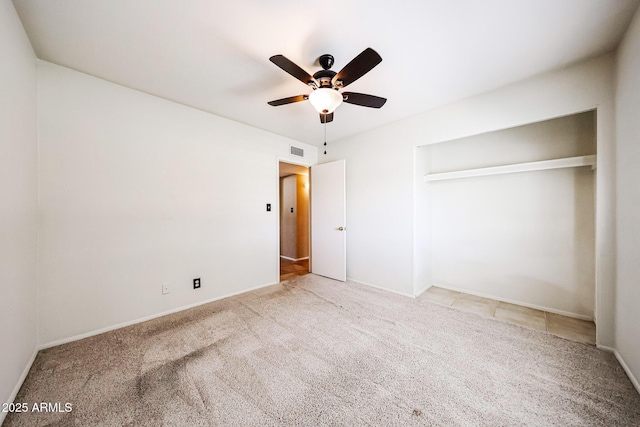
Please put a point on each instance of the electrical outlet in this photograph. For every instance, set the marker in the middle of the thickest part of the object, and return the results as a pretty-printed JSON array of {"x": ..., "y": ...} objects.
[
  {"x": 165, "y": 289},
  {"x": 196, "y": 283}
]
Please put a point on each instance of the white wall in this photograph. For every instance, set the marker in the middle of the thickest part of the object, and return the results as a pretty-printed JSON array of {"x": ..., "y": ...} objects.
[
  {"x": 627, "y": 332},
  {"x": 137, "y": 191},
  {"x": 18, "y": 201},
  {"x": 526, "y": 238},
  {"x": 382, "y": 173},
  {"x": 379, "y": 196}
]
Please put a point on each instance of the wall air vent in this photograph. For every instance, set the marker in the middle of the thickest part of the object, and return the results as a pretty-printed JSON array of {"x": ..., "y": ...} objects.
[{"x": 297, "y": 151}]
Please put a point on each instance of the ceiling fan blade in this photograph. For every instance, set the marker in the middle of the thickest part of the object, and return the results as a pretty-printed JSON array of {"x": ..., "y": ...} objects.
[
  {"x": 293, "y": 69},
  {"x": 326, "y": 118},
  {"x": 363, "y": 99},
  {"x": 288, "y": 100},
  {"x": 358, "y": 67}
]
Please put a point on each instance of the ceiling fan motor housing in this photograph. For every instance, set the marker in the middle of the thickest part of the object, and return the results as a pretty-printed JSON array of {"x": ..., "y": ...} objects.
[{"x": 324, "y": 77}]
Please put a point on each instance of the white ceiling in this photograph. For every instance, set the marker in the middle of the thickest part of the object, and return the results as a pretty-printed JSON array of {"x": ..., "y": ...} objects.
[{"x": 214, "y": 55}]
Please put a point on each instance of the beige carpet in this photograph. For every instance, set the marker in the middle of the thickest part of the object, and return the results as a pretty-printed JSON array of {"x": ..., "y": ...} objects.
[{"x": 318, "y": 352}]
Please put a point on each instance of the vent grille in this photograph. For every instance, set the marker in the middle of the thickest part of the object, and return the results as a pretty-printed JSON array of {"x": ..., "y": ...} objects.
[{"x": 297, "y": 151}]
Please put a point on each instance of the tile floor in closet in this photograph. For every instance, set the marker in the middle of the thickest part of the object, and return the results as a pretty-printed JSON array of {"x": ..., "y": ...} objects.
[{"x": 562, "y": 326}]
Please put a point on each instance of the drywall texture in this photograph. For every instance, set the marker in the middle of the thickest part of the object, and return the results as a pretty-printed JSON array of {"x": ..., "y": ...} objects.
[
  {"x": 137, "y": 192},
  {"x": 385, "y": 214},
  {"x": 18, "y": 201},
  {"x": 526, "y": 237},
  {"x": 628, "y": 199}
]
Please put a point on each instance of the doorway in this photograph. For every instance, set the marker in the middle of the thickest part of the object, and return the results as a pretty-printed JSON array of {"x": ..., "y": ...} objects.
[{"x": 294, "y": 220}]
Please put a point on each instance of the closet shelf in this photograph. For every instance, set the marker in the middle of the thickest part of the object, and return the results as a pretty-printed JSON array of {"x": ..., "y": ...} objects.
[{"x": 568, "y": 162}]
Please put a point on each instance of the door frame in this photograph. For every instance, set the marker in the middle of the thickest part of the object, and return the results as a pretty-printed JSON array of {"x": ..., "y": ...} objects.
[{"x": 277, "y": 183}]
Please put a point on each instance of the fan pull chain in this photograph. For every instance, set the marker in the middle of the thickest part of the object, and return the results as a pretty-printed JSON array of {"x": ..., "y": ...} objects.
[{"x": 325, "y": 136}]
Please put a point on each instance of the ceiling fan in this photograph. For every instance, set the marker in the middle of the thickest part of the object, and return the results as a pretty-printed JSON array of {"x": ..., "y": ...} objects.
[{"x": 326, "y": 84}]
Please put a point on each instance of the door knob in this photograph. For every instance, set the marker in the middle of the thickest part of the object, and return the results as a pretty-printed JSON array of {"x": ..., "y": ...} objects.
[{"x": 340, "y": 228}]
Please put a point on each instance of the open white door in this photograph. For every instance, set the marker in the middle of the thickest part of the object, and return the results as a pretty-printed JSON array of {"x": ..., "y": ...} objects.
[{"x": 328, "y": 220}]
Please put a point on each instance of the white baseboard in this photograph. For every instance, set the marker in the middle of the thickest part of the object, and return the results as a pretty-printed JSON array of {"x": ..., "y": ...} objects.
[
  {"x": 16, "y": 389},
  {"x": 632, "y": 378},
  {"x": 510, "y": 301},
  {"x": 423, "y": 290},
  {"x": 293, "y": 259},
  {"x": 380, "y": 287},
  {"x": 146, "y": 318}
]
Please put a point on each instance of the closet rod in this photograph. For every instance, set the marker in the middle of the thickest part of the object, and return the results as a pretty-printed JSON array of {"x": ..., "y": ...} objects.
[{"x": 568, "y": 162}]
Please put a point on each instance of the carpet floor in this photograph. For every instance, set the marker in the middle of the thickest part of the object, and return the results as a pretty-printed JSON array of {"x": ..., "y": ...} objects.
[{"x": 313, "y": 351}]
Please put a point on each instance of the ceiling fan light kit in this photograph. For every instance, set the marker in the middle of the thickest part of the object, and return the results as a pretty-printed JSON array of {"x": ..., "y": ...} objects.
[
  {"x": 326, "y": 84},
  {"x": 325, "y": 100}
]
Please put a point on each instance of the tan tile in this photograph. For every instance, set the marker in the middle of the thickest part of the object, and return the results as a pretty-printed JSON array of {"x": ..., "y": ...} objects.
[
  {"x": 442, "y": 291},
  {"x": 479, "y": 299},
  {"x": 572, "y": 329},
  {"x": 523, "y": 316},
  {"x": 437, "y": 298},
  {"x": 521, "y": 309},
  {"x": 483, "y": 306}
]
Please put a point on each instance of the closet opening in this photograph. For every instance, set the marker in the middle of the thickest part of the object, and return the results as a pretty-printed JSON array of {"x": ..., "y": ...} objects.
[{"x": 509, "y": 215}]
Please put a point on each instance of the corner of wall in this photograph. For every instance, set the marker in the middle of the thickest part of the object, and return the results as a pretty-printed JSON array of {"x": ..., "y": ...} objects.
[
  {"x": 18, "y": 216},
  {"x": 627, "y": 156}
]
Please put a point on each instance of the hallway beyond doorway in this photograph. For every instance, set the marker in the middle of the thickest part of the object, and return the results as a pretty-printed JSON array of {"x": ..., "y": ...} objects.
[{"x": 290, "y": 269}]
